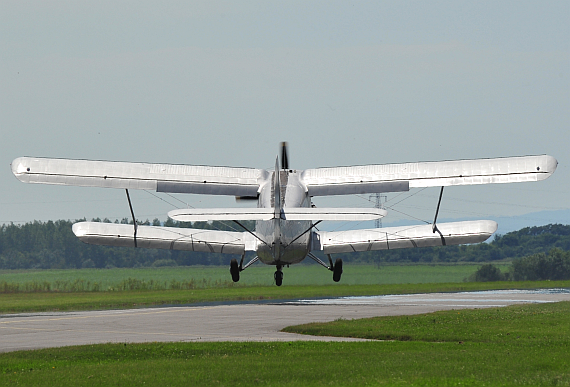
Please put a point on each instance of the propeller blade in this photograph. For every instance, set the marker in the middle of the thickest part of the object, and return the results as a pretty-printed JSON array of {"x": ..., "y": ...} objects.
[
  {"x": 246, "y": 198},
  {"x": 284, "y": 159}
]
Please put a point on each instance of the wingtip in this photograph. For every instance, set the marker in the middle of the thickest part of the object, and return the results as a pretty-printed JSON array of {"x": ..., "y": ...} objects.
[
  {"x": 79, "y": 229},
  {"x": 491, "y": 226},
  {"x": 551, "y": 164},
  {"x": 19, "y": 168},
  {"x": 546, "y": 166},
  {"x": 15, "y": 165}
]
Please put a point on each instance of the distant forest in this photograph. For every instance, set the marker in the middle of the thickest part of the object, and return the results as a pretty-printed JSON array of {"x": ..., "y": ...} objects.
[{"x": 52, "y": 245}]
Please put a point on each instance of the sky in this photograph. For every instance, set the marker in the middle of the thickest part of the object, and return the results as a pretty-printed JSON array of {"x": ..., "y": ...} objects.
[{"x": 224, "y": 82}]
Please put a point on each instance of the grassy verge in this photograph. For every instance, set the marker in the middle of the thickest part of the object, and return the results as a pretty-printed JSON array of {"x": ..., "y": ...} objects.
[
  {"x": 512, "y": 346},
  {"x": 536, "y": 324},
  {"x": 53, "y": 301},
  {"x": 198, "y": 277}
]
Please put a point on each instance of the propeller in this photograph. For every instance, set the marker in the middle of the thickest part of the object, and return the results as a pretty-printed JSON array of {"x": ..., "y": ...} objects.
[
  {"x": 246, "y": 198},
  {"x": 284, "y": 159},
  {"x": 284, "y": 165}
]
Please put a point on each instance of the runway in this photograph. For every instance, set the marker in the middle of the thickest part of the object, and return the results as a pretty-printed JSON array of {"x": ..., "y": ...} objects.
[{"x": 236, "y": 321}]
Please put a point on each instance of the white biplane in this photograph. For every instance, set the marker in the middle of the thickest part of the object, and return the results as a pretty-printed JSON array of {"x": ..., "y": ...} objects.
[{"x": 285, "y": 218}]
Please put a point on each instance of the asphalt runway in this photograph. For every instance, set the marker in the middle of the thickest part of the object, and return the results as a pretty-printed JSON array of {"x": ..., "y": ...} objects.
[{"x": 235, "y": 321}]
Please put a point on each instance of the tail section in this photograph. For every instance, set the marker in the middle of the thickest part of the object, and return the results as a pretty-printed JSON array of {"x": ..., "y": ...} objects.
[{"x": 277, "y": 208}]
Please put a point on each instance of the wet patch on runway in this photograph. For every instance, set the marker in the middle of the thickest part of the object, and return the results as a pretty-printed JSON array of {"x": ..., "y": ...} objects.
[
  {"x": 461, "y": 299},
  {"x": 37, "y": 314}
]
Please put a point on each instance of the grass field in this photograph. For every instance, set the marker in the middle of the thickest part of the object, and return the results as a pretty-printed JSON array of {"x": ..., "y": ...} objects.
[
  {"x": 519, "y": 345},
  {"x": 218, "y": 276},
  {"x": 512, "y": 346}
]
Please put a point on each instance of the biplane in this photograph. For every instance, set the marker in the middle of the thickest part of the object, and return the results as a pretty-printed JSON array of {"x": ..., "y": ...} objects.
[{"x": 285, "y": 218}]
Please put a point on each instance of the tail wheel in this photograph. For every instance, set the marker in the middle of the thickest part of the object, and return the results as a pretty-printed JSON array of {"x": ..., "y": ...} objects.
[
  {"x": 278, "y": 276},
  {"x": 337, "y": 270},
  {"x": 234, "y": 270}
]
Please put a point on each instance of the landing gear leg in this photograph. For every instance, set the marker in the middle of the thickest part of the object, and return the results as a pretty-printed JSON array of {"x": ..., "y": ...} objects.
[
  {"x": 278, "y": 276},
  {"x": 337, "y": 270},
  {"x": 234, "y": 270}
]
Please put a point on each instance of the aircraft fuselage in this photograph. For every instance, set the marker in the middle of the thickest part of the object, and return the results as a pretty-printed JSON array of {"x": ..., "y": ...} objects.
[{"x": 286, "y": 241}]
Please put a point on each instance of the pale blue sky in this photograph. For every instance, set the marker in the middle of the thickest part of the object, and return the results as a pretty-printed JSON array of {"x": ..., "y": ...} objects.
[{"x": 223, "y": 82}]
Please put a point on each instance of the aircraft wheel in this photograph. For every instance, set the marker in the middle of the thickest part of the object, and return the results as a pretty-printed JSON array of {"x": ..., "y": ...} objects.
[
  {"x": 337, "y": 270},
  {"x": 234, "y": 270},
  {"x": 278, "y": 276}
]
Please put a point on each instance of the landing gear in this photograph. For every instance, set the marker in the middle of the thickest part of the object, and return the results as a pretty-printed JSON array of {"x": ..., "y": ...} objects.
[
  {"x": 234, "y": 270},
  {"x": 337, "y": 270},
  {"x": 278, "y": 276}
]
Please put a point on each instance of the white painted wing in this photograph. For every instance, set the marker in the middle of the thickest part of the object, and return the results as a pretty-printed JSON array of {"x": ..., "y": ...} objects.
[
  {"x": 168, "y": 238},
  {"x": 291, "y": 213},
  {"x": 455, "y": 233},
  {"x": 156, "y": 177},
  {"x": 401, "y": 177}
]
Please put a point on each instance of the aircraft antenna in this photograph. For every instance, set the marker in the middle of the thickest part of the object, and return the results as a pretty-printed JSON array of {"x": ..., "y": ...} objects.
[{"x": 379, "y": 205}]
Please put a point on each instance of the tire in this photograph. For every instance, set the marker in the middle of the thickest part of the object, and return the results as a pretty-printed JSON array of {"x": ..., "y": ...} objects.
[
  {"x": 337, "y": 270},
  {"x": 234, "y": 270},
  {"x": 278, "y": 276}
]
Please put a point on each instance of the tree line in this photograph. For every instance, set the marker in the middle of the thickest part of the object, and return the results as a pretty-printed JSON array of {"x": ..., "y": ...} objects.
[
  {"x": 553, "y": 266},
  {"x": 52, "y": 245}
]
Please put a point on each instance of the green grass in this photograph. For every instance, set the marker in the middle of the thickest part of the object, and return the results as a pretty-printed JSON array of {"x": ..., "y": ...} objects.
[
  {"x": 54, "y": 301},
  {"x": 512, "y": 346},
  {"x": 532, "y": 323},
  {"x": 218, "y": 276}
]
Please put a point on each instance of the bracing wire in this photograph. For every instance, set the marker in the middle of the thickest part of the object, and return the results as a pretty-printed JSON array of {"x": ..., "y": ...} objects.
[
  {"x": 407, "y": 197},
  {"x": 229, "y": 225},
  {"x": 181, "y": 201},
  {"x": 408, "y": 215},
  {"x": 167, "y": 202},
  {"x": 391, "y": 206}
]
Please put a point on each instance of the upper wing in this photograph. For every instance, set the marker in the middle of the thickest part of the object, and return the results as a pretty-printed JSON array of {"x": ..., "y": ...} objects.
[
  {"x": 169, "y": 238},
  {"x": 157, "y": 177},
  {"x": 387, "y": 238},
  {"x": 402, "y": 177}
]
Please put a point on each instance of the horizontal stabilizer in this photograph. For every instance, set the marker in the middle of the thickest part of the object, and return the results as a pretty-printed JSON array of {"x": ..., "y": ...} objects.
[
  {"x": 168, "y": 238},
  {"x": 387, "y": 238},
  {"x": 209, "y": 214},
  {"x": 334, "y": 214},
  {"x": 293, "y": 213}
]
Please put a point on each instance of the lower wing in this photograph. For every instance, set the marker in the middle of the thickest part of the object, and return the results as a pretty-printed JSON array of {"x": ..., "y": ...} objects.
[
  {"x": 387, "y": 238},
  {"x": 168, "y": 238}
]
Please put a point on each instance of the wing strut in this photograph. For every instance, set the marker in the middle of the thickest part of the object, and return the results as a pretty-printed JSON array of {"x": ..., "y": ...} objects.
[
  {"x": 434, "y": 226},
  {"x": 320, "y": 262},
  {"x": 133, "y": 215},
  {"x": 253, "y": 260}
]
